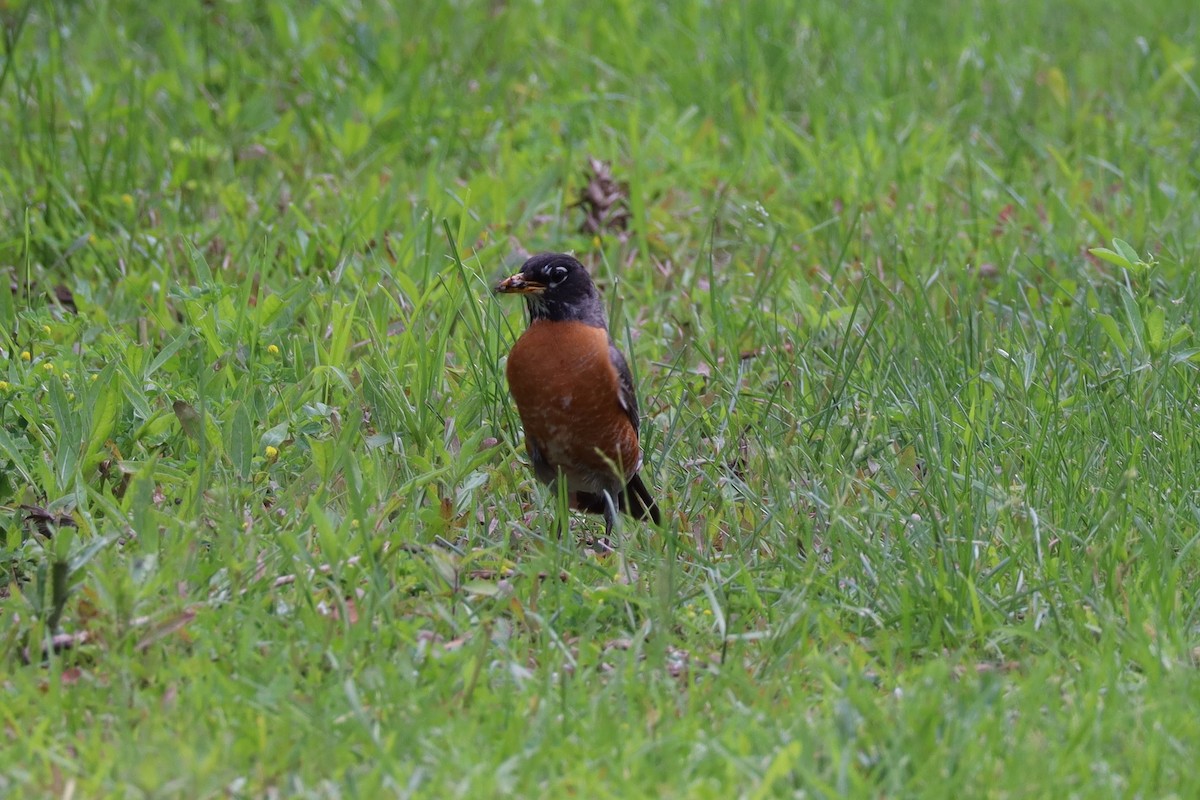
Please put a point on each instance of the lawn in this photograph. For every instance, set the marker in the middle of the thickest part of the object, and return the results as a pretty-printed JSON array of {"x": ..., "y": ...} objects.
[{"x": 910, "y": 291}]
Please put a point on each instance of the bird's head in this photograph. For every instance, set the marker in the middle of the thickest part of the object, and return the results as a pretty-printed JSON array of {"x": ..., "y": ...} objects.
[{"x": 556, "y": 287}]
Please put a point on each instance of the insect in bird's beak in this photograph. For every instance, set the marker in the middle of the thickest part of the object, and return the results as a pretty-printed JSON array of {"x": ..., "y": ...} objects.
[{"x": 519, "y": 284}]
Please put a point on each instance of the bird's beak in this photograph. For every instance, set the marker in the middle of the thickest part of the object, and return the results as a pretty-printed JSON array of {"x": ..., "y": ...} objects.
[{"x": 519, "y": 284}]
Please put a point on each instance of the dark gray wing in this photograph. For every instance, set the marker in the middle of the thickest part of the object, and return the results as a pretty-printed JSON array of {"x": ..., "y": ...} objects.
[{"x": 628, "y": 396}]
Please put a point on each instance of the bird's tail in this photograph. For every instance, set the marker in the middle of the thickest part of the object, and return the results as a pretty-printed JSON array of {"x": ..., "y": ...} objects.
[{"x": 636, "y": 500}]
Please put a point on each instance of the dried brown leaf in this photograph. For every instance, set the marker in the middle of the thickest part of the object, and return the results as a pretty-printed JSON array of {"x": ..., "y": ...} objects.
[{"x": 164, "y": 629}]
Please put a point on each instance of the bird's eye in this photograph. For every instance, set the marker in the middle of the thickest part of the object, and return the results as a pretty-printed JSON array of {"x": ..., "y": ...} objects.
[{"x": 558, "y": 275}]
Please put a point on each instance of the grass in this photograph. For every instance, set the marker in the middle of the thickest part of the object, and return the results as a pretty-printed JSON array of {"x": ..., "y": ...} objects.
[{"x": 911, "y": 297}]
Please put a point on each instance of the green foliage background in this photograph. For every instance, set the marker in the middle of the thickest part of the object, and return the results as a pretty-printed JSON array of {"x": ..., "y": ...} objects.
[{"x": 911, "y": 295}]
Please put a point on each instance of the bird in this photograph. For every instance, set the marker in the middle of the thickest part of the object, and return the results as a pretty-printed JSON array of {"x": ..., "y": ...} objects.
[{"x": 574, "y": 392}]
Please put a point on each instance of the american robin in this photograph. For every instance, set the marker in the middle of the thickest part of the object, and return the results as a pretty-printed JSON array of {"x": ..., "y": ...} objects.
[{"x": 574, "y": 392}]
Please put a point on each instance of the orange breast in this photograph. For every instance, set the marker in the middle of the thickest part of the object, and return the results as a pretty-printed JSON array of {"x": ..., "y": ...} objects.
[{"x": 567, "y": 393}]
